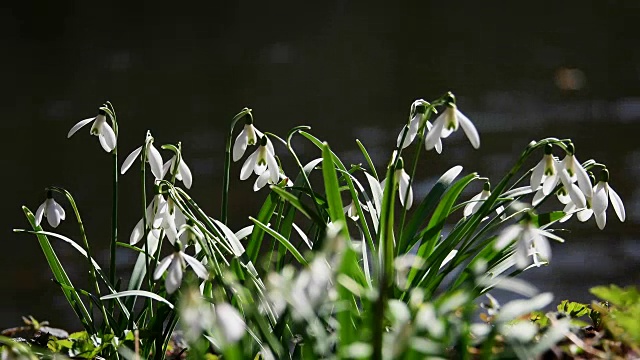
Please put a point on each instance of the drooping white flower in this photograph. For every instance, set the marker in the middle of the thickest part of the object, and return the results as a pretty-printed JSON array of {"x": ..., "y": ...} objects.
[
  {"x": 448, "y": 122},
  {"x": 248, "y": 136},
  {"x": 189, "y": 233},
  {"x": 405, "y": 190},
  {"x": 260, "y": 161},
  {"x": 51, "y": 210},
  {"x": 577, "y": 172},
  {"x": 602, "y": 194},
  {"x": 176, "y": 264},
  {"x": 153, "y": 158},
  {"x": 545, "y": 172},
  {"x": 530, "y": 241},
  {"x": 476, "y": 202},
  {"x": 265, "y": 178},
  {"x": 182, "y": 171},
  {"x": 156, "y": 204},
  {"x": 100, "y": 128},
  {"x": 417, "y": 121},
  {"x": 170, "y": 218},
  {"x": 352, "y": 212},
  {"x": 229, "y": 322}
]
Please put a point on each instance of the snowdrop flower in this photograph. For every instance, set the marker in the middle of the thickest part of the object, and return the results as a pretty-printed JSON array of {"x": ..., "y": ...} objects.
[
  {"x": 51, "y": 210},
  {"x": 176, "y": 263},
  {"x": 352, "y": 212},
  {"x": 262, "y": 160},
  {"x": 476, "y": 202},
  {"x": 248, "y": 136},
  {"x": 569, "y": 193},
  {"x": 169, "y": 218},
  {"x": 265, "y": 178},
  {"x": 448, "y": 122},
  {"x": 181, "y": 171},
  {"x": 156, "y": 204},
  {"x": 545, "y": 172},
  {"x": 418, "y": 119},
  {"x": 577, "y": 172},
  {"x": 189, "y": 233},
  {"x": 229, "y": 322},
  {"x": 402, "y": 179},
  {"x": 599, "y": 204},
  {"x": 100, "y": 128},
  {"x": 530, "y": 241},
  {"x": 152, "y": 155}
]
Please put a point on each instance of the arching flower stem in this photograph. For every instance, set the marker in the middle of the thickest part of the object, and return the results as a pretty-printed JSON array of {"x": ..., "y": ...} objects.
[
  {"x": 227, "y": 164},
  {"x": 111, "y": 111}
]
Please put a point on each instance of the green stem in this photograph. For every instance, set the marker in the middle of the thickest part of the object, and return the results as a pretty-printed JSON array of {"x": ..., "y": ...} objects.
[
  {"x": 114, "y": 219},
  {"x": 415, "y": 166},
  {"x": 83, "y": 234},
  {"x": 227, "y": 165}
]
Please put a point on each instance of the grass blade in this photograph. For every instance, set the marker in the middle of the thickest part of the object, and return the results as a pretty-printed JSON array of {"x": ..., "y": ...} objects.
[{"x": 60, "y": 275}]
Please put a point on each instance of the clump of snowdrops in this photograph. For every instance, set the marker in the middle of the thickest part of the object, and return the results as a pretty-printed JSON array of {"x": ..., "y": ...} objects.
[{"x": 344, "y": 264}]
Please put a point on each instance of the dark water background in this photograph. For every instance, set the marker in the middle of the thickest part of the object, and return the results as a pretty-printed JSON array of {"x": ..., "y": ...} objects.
[{"x": 566, "y": 69}]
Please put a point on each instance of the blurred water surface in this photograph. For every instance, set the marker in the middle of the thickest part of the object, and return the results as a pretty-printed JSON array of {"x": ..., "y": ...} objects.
[{"x": 569, "y": 70}]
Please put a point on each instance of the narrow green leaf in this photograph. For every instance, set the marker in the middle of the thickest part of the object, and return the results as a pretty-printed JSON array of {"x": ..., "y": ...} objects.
[
  {"x": 264, "y": 216},
  {"x": 143, "y": 293},
  {"x": 60, "y": 274},
  {"x": 431, "y": 235},
  {"x": 368, "y": 158},
  {"x": 425, "y": 208},
  {"x": 332, "y": 189},
  {"x": 285, "y": 195},
  {"x": 287, "y": 244}
]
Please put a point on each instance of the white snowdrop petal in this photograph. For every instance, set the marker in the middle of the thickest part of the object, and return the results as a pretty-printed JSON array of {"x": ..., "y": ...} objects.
[
  {"x": 507, "y": 235},
  {"x": 155, "y": 161},
  {"x": 261, "y": 180},
  {"x": 39, "y": 213},
  {"x": 549, "y": 184},
  {"x": 248, "y": 165},
  {"x": 469, "y": 129},
  {"x": 601, "y": 219},
  {"x": 538, "y": 197},
  {"x": 583, "y": 179},
  {"x": 103, "y": 143},
  {"x": 79, "y": 125},
  {"x": 137, "y": 233},
  {"x": 537, "y": 174},
  {"x": 162, "y": 267},
  {"x": 53, "y": 217},
  {"x": 174, "y": 275},
  {"x": 240, "y": 145},
  {"x": 130, "y": 159},
  {"x": 109, "y": 136},
  {"x": 197, "y": 266},
  {"x": 230, "y": 322},
  {"x": 472, "y": 206},
  {"x": 59, "y": 209},
  {"x": 270, "y": 146},
  {"x": 403, "y": 186},
  {"x": 584, "y": 215},
  {"x": 577, "y": 196},
  {"x": 245, "y": 231},
  {"x": 522, "y": 254},
  {"x": 185, "y": 172},
  {"x": 433, "y": 136},
  {"x": 273, "y": 168},
  {"x": 599, "y": 203},
  {"x": 408, "y": 139},
  {"x": 618, "y": 206},
  {"x": 167, "y": 165},
  {"x": 236, "y": 246}
]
